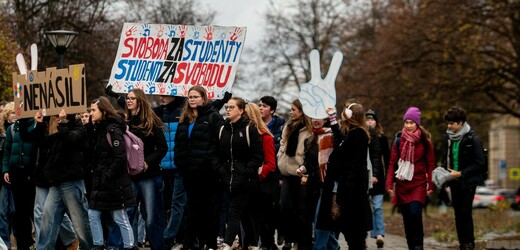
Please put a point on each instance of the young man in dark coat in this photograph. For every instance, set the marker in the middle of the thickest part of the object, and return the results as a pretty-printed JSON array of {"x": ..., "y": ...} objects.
[{"x": 464, "y": 158}]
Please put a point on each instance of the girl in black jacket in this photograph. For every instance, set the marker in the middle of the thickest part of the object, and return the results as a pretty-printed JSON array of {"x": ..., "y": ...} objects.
[
  {"x": 111, "y": 184},
  {"x": 145, "y": 124},
  {"x": 196, "y": 158},
  {"x": 241, "y": 155}
]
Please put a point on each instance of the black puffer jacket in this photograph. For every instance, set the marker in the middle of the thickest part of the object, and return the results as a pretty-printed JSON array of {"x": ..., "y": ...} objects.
[
  {"x": 65, "y": 155},
  {"x": 471, "y": 159},
  {"x": 196, "y": 154},
  {"x": 155, "y": 148},
  {"x": 111, "y": 184},
  {"x": 238, "y": 161}
]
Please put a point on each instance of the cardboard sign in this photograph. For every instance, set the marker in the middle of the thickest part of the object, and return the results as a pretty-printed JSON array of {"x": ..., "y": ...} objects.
[
  {"x": 50, "y": 91},
  {"x": 164, "y": 59}
]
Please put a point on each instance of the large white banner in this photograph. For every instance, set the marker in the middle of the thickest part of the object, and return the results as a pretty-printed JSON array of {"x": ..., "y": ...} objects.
[{"x": 163, "y": 59}]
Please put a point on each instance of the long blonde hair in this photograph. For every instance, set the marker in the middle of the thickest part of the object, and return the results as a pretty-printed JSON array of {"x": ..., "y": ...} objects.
[
  {"x": 255, "y": 118},
  {"x": 189, "y": 113},
  {"x": 147, "y": 117}
]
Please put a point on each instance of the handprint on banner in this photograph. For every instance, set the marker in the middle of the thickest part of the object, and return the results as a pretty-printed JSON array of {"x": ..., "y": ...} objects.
[
  {"x": 209, "y": 33},
  {"x": 319, "y": 94},
  {"x": 182, "y": 29},
  {"x": 129, "y": 86},
  {"x": 131, "y": 31},
  {"x": 161, "y": 87},
  {"x": 117, "y": 86},
  {"x": 172, "y": 90},
  {"x": 160, "y": 30},
  {"x": 171, "y": 31},
  {"x": 196, "y": 32},
  {"x": 236, "y": 34},
  {"x": 146, "y": 29},
  {"x": 151, "y": 88},
  {"x": 139, "y": 85}
]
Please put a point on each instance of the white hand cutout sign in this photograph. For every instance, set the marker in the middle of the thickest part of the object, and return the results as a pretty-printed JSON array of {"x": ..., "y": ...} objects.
[
  {"x": 319, "y": 94},
  {"x": 20, "y": 61}
]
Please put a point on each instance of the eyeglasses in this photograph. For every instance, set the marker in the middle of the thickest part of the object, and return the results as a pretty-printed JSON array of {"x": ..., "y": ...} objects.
[
  {"x": 131, "y": 98},
  {"x": 229, "y": 107},
  {"x": 194, "y": 97}
]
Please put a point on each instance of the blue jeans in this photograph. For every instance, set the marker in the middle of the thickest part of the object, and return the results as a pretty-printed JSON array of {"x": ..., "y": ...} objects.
[
  {"x": 66, "y": 233},
  {"x": 6, "y": 213},
  {"x": 65, "y": 197},
  {"x": 324, "y": 239},
  {"x": 120, "y": 217},
  {"x": 378, "y": 226},
  {"x": 177, "y": 208},
  {"x": 149, "y": 192}
]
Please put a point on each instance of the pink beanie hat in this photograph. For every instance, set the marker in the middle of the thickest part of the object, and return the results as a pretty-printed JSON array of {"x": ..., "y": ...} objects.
[{"x": 414, "y": 114}]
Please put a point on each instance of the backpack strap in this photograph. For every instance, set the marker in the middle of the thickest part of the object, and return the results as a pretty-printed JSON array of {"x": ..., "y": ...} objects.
[
  {"x": 220, "y": 132},
  {"x": 247, "y": 136},
  {"x": 12, "y": 130}
]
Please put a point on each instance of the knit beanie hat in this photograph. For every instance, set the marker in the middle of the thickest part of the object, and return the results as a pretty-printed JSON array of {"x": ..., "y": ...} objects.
[
  {"x": 371, "y": 114},
  {"x": 414, "y": 114}
]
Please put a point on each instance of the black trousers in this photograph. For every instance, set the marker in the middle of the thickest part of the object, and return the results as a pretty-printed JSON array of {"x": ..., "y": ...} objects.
[
  {"x": 23, "y": 196},
  {"x": 413, "y": 224},
  {"x": 462, "y": 201}
]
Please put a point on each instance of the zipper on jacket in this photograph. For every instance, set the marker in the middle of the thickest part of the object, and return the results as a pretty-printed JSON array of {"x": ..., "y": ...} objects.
[{"x": 232, "y": 166}]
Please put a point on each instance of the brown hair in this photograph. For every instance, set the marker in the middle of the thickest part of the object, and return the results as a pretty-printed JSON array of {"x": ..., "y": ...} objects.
[
  {"x": 106, "y": 108},
  {"x": 147, "y": 117},
  {"x": 187, "y": 111},
  {"x": 255, "y": 118},
  {"x": 358, "y": 119},
  {"x": 292, "y": 125}
]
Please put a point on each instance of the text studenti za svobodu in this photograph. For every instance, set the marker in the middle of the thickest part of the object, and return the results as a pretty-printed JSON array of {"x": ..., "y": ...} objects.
[{"x": 177, "y": 60}]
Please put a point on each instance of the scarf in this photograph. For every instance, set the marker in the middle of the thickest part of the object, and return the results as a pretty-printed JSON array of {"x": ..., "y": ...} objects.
[
  {"x": 406, "y": 159},
  {"x": 457, "y": 136},
  {"x": 325, "y": 146},
  {"x": 292, "y": 142}
]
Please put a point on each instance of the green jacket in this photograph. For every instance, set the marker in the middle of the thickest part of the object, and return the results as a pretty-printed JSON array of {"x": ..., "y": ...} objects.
[{"x": 19, "y": 151}]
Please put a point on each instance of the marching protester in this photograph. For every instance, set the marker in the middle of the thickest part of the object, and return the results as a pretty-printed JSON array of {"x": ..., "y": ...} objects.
[
  {"x": 260, "y": 206},
  {"x": 347, "y": 169},
  {"x": 380, "y": 167},
  {"x": 464, "y": 158},
  {"x": 6, "y": 195},
  {"x": 275, "y": 123},
  {"x": 170, "y": 111},
  {"x": 290, "y": 158},
  {"x": 240, "y": 156},
  {"x": 195, "y": 155},
  {"x": 45, "y": 128},
  {"x": 148, "y": 185},
  {"x": 18, "y": 164},
  {"x": 64, "y": 170},
  {"x": 111, "y": 183},
  {"x": 410, "y": 169},
  {"x": 317, "y": 151}
]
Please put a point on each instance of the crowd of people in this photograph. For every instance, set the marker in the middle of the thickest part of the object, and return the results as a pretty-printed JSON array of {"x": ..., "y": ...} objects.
[{"x": 252, "y": 180}]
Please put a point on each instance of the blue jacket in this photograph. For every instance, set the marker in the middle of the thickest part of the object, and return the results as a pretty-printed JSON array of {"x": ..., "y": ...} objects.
[{"x": 170, "y": 115}]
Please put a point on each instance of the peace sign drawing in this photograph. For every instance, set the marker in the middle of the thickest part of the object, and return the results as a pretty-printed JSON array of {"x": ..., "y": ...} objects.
[{"x": 319, "y": 94}]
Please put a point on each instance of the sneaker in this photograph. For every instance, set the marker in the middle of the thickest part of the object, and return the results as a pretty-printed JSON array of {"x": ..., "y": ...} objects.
[
  {"x": 177, "y": 246},
  {"x": 380, "y": 242},
  {"x": 140, "y": 244},
  {"x": 220, "y": 240}
]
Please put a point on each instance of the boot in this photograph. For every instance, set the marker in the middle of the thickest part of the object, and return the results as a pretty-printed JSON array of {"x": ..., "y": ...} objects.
[
  {"x": 467, "y": 246},
  {"x": 74, "y": 245}
]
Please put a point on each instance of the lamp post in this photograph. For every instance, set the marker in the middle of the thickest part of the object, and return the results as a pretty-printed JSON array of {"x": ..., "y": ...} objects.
[{"x": 61, "y": 40}]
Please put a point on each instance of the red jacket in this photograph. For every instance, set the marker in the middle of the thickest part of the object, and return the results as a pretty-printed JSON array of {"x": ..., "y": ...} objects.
[
  {"x": 414, "y": 190},
  {"x": 269, "y": 164}
]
